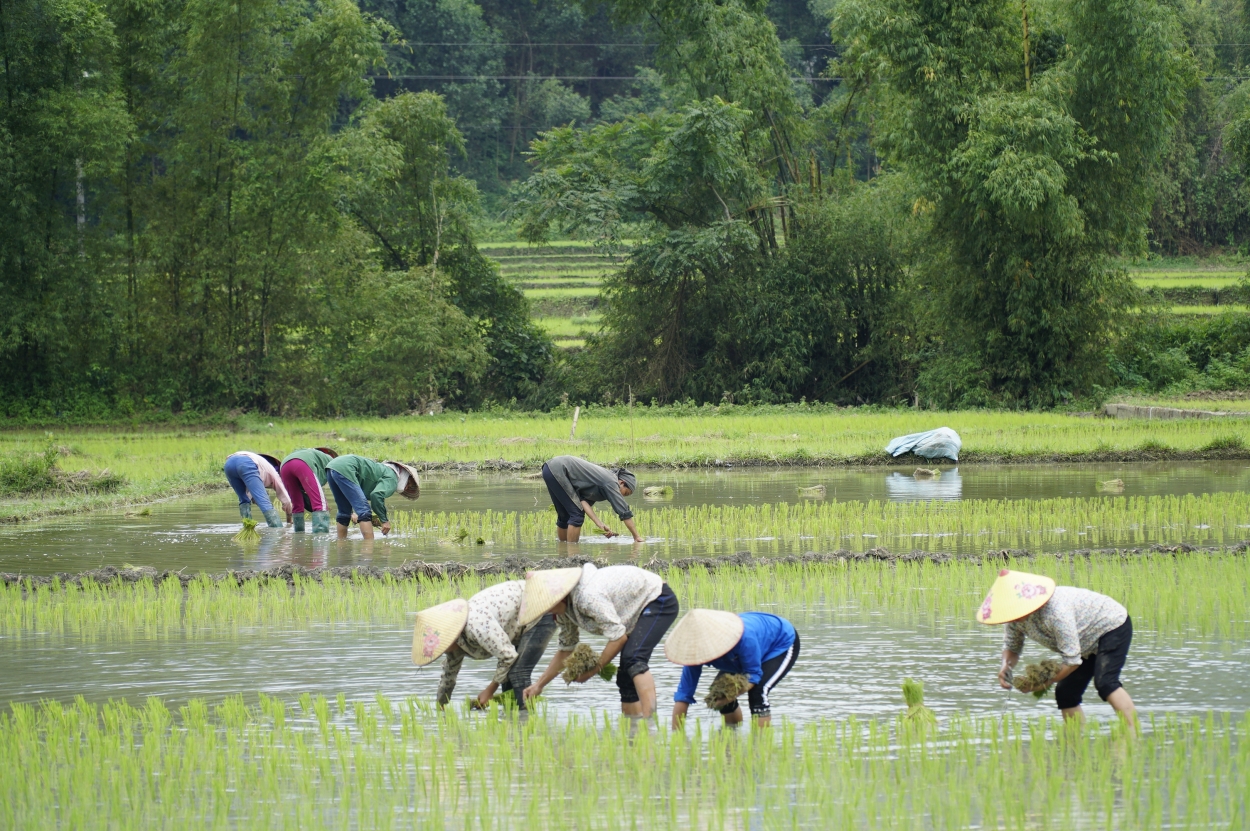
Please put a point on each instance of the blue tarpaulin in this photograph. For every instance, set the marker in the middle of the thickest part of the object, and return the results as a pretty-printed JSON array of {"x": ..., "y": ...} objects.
[{"x": 942, "y": 443}]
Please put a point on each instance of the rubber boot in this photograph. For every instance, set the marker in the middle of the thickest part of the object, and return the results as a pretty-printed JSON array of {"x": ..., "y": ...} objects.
[
  {"x": 297, "y": 522},
  {"x": 272, "y": 518},
  {"x": 245, "y": 510},
  {"x": 321, "y": 522}
]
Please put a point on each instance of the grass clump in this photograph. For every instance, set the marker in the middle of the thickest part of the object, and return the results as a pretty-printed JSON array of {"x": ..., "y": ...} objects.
[
  {"x": 32, "y": 474},
  {"x": 913, "y": 695},
  {"x": 725, "y": 689},
  {"x": 1225, "y": 443},
  {"x": 657, "y": 492},
  {"x": 1037, "y": 678},
  {"x": 813, "y": 492},
  {"x": 582, "y": 661}
]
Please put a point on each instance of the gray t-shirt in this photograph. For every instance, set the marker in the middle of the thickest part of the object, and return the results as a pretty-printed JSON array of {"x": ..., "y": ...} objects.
[
  {"x": 1070, "y": 623},
  {"x": 582, "y": 480}
]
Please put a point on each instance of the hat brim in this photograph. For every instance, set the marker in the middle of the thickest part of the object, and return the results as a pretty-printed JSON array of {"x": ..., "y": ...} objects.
[
  {"x": 436, "y": 630},
  {"x": 702, "y": 636},
  {"x": 414, "y": 481},
  {"x": 544, "y": 589},
  {"x": 1014, "y": 595}
]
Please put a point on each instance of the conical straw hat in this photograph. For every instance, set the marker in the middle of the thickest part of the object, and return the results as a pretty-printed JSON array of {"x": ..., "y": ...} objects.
[
  {"x": 413, "y": 490},
  {"x": 437, "y": 629},
  {"x": 544, "y": 589},
  {"x": 703, "y": 635},
  {"x": 1014, "y": 595}
]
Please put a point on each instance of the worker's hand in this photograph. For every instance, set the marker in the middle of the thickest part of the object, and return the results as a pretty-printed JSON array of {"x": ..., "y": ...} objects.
[
  {"x": 607, "y": 532},
  {"x": 1004, "y": 677},
  {"x": 587, "y": 675},
  {"x": 482, "y": 702},
  {"x": 354, "y": 517},
  {"x": 386, "y": 528},
  {"x": 533, "y": 691}
]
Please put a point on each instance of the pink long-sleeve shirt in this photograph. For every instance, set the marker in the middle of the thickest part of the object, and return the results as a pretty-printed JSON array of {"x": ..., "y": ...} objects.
[{"x": 270, "y": 477}]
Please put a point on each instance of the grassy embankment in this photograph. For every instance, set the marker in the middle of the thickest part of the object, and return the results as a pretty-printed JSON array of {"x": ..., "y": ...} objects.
[
  {"x": 1194, "y": 287},
  {"x": 161, "y": 463}
]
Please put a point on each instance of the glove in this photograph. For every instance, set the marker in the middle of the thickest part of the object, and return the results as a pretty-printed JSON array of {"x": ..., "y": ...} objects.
[
  {"x": 245, "y": 510},
  {"x": 321, "y": 522},
  {"x": 272, "y": 518},
  {"x": 297, "y": 521}
]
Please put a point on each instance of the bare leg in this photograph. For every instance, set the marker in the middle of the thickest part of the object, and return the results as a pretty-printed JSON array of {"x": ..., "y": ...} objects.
[
  {"x": 562, "y": 534},
  {"x": 342, "y": 530},
  {"x": 1122, "y": 703},
  {"x": 1073, "y": 713},
  {"x": 733, "y": 719},
  {"x": 762, "y": 721},
  {"x": 366, "y": 530},
  {"x": 574, "y": 533},
  {"x": 645, "y": 706}
]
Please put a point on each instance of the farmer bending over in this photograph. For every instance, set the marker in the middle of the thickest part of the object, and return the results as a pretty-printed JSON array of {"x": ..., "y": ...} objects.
[
  {"x": 1090, "y": 631},
  {"x": 576, "y": 484},
  {"x": 250, "y": 474},
  {"x": 361, "y": 486},
  {"x": 487, "y": 626},
  {"x": 630, "y": 606},
  {"x": 761, "y": 646},
  {"x": 304, "y": 475}
]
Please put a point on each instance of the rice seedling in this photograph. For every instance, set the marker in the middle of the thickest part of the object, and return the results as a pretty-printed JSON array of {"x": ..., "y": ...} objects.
[
  {"x": 965, "y": 527},
  {"x": 926, "y": 473},
  {"x": 1171, "y": 594},
  {"x": 1112, "y": 486},
  {"x": 582, "y": 660},
  {"x": 248, "y": 533},
  {"x": 913, "y": 696},
  {"x": 813, "y": 492},
  {"x": 1037, "y": 678},
  {"x": 725, "y": 689},
  {"x": 384, "y": 763},
  {"x": 657, "y": 492}
]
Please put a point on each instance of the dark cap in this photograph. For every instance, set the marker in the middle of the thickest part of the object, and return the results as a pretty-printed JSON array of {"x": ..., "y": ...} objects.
[{"x": 628, "y": 478}]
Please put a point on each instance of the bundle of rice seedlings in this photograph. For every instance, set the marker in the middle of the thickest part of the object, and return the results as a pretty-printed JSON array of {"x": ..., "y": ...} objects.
[
  {"x": 926, "y": 473},
  {"x": 913, "y": 695},
  {"x": 725, "y": 689},
  {"x": 456, "y": 538},
  {"x": 1037, "y": 677},
  {"x": 657, "y": 492},
  {"x": 249, "y": 532},
  {"x": 583, "y": 660},
  {"x": 814, "y": 492},
  {"x": 1112, "y": 486}
]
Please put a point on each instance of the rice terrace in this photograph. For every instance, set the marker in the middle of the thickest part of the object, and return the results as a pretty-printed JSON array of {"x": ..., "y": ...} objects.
[{"x": 619, "y": 414}]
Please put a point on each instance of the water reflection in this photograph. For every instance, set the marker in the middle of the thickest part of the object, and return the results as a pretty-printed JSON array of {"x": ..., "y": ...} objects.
[
  {"x": 947, "y": 485},
  {"x": 854, "y": 665}
]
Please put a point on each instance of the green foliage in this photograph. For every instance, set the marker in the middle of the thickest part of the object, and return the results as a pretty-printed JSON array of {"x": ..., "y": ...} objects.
[
  {"x": 1032, "y": 185},
  {"x": 25, "y": 473}
]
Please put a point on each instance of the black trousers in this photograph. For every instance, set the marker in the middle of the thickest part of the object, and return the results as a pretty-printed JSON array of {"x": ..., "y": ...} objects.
[
  {"x": 635, "y": 658},
  {"x": 1103, "y": 667},
  {"x": 772, "y": 671}
]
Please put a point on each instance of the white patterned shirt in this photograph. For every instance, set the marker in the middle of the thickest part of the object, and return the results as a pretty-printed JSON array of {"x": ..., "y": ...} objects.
[
  {"x": 490, "y": 631},
  {"x": 607, "y": 601},
  {"x": 1070, "y": 623}
]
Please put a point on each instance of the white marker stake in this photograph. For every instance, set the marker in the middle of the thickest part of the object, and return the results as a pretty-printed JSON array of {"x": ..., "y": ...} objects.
[{"x": 576, "y": 412}]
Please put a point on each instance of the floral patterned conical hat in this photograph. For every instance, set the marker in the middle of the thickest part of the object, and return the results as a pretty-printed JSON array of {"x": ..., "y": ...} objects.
[
  {"x": 1014, "y": 595},
  {"x": 437, "y": 629}
]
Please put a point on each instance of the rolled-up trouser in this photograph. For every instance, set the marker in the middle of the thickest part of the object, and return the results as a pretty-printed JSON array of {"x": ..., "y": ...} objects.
[
  {"x": 529, "y": 651},
  {"x": 568, "y": 512},
  {"x": 635, "y": 657},
  {"x": 301, "y": 483},
  {"x": 1103, "y": 667},
  {"x": 244, "y": 476},
  {"x": 349, "y": 498}
]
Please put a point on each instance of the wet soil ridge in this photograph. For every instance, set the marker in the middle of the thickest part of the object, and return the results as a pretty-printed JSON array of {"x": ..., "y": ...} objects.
[{"x": 518, "y": 566}]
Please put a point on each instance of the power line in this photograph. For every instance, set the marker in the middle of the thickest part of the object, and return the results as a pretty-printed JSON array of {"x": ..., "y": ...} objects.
[
  {"x": 536, "y": 78},
  {"x": 491, "y": 43}
]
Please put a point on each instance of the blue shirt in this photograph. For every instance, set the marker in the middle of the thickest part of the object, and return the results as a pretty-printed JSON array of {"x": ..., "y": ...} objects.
[{"x": 764, "y": 637}]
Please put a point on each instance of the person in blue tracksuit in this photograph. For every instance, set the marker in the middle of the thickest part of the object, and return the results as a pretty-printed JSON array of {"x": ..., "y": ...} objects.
[{"x": 761, "y": 646}]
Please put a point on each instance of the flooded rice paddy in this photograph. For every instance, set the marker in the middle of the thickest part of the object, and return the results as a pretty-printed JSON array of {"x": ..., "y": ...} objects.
[{"x": 195, "y": 533}]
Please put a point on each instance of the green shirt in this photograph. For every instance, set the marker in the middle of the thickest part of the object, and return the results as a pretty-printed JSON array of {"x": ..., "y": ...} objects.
[
  {"x": 315, "y": 459},
  {"x": 377, "y": 480}
]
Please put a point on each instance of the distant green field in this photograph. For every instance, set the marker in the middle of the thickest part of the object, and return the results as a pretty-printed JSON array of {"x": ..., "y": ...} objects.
[
  {"x": 1209, "y": 310},
  {"x": 562, "y": 282},
  {"x": 556, "y": 294},
  {"x": 569, "y": 327}
]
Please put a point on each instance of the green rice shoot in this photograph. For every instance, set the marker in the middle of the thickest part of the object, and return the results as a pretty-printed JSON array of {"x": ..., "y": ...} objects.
[
  {"x": 913, "y": 696},
  {"x": 1037, "y": 678},
  {"x": 248, "y": 533}
]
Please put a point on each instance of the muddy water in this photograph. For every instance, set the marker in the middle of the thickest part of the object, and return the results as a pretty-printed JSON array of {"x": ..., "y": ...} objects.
[
  {"x": 850, "y": 664},
  {"x": 196, "y": 533}
]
